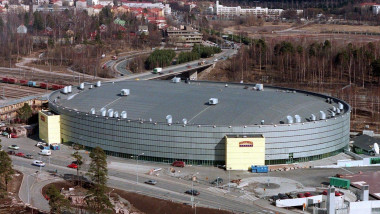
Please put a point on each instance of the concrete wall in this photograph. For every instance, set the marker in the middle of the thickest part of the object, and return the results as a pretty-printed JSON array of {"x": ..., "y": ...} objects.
[{"x": 364, "y": 207}]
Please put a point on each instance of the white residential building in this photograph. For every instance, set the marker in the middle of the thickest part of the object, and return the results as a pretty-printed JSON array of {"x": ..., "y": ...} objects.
[{"x": 238, "y": 11}]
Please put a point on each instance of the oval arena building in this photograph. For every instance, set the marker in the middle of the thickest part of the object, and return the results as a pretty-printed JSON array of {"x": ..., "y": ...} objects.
[{"x": 206, "y": 123}]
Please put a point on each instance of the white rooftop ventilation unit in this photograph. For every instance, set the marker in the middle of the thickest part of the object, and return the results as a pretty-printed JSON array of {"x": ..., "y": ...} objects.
[
  {"x": 116, "y": 114},
  {"x": 176, "y": 80},
  {"x": 262, "y": 122},
  {"x": 98, "y": 84},
  {"x": 322, "y": 115},
  {"x": 334, "y": 108},
  {"x": 313, "y": 118},
  {"x": 184, "y": 121},
  {"x": 340, "y": 106},
  {"x": 110, "y": 112},
  {"x": 169, "y": 119},
  {"x": 103, "y": 111},
  {"x": 69, "y": 89},
  {"x": 92, "y": 111},
  {"x": 65, "y": 90},
  {"x": 124, "y": 92},
  {"x": 332, "y": 114},
  {"x": 81, "y": 86},
  {"x": 338, "y": 111},
  {"x": 124, "y": 114},
  {"x": 260, "y": 87},
  {"x": 298, "y": 118},
  {"x": 213, "y": 101},
  {"x": 289, "y": 119}
]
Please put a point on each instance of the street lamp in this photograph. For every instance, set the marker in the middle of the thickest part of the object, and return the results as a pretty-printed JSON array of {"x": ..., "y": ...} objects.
[
  {"x": 137, "y": 166},
  {"x": 27, "y": 183}
]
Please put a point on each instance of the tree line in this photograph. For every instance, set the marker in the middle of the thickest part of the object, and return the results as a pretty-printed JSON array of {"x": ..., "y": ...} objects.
[
  {"x": 197, "y": 52},
  {"x": 159, "y": 58},
  {"x": 316, "y": 62}
]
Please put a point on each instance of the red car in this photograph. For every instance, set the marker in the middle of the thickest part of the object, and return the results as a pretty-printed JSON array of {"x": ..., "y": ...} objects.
[
  {"x": 308, "y": 194},
  {"x": 300, "y": 195},
  {"x": 13, "y": 135},
  {"x": 73, "y": 166},
  {"x": 20, "y": 154},
  {"x": 338, "y": 193}
]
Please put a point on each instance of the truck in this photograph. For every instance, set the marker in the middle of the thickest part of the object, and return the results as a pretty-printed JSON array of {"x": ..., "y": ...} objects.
[{"x": 157, "y": 70}]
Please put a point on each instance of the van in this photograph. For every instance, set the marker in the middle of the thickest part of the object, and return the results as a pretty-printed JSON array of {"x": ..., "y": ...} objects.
[
  {"x": 45, "y": 152},
  {"x": 178, "y": 164}
]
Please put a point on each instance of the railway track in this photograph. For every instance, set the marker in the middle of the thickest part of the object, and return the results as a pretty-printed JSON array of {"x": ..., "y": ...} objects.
[{"x": 54, "y": 78}]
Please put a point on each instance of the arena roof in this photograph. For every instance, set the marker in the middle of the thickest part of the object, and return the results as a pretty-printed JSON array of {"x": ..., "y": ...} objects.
[{"x": 238, "y": 105}]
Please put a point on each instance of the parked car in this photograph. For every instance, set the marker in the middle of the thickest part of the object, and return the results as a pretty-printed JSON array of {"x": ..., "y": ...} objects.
[
  {"x": 192, "y": 192},
  {"x": 337, "y": 193},
  {"x": 217, "y": 181},
  {"x": 15, "y": 147},
  {"x": 291, "y": 195},
  {"x": 189, "y": 66},
  {"x": 28, "y": 156},
  {"x": 14, "y": 135},
  {"x": 171, "y": 71},
  {"x": 324, "y": 192},
  {"x": 40, "y": 144},
  {"x": 114, "y": 58},
  {"x": 178, "y": 164},
  {"x": 38, "y": 163},
  {"x": 45, "y": 152},
  {"x": 73, "y": 166},
  {"x": 215, "y": 60},
  {"x": 300, "y": 195},
  {"x": 307, "y": 194},
  {"x": 275, "y": 198},
  {"x": 151, "y": 182},
  {"x": 282, "y": 196},
  {"x": 20, "y": 154},
  {"x": 11, "y": 152}
]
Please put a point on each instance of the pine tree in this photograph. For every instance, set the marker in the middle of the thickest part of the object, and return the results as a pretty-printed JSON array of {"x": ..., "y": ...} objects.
[
  {"x": 6, "y": 169},
  {"x": 97, "y": 199},
  {"x": 57, "y": 202},
  {"x": 25, "y": 113},
  {"x": 79, "y": 161}
]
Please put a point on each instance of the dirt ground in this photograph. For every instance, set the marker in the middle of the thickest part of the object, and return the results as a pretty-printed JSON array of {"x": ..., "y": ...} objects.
[
  {"x": 252, "y": 31},
  {"x": 318, "y": 28},
  {"x": 146, "y": 204},
  {"x": 12, "y": 203}
]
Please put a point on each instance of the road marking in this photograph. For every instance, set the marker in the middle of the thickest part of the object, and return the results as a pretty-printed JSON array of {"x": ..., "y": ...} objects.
[{"x": 347, "y": 170}]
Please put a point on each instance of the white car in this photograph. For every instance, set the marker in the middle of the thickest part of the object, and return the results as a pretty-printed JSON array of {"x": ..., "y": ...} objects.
[
  {"x": 15, "y": 147},
  {"x": 40, "y": 144},
  {"x": 215, "y": 60},
  {"x": 45, "y": 152},
  {"x": 38, "y": 163}
]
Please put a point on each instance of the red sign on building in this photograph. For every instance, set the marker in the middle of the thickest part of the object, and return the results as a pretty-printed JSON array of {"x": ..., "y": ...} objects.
[{"x": 246, "y": 144}]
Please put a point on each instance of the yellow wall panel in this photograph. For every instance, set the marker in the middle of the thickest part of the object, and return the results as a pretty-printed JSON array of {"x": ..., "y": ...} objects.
[
  {"x": 49, "y": 127},
  {"x": 242, "y": 153}
]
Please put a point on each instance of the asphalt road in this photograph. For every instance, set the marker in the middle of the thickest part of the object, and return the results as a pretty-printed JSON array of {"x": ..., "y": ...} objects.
[
  {"x": 170, "y": 189},
  {"x": 178, "y": 69}
]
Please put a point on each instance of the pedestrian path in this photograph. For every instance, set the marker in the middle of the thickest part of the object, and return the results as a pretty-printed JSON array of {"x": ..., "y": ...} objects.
[
  {"x": 217, "y": 190},
  {"x": 249, "y": 197}
]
